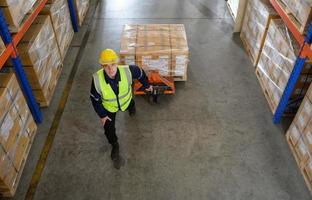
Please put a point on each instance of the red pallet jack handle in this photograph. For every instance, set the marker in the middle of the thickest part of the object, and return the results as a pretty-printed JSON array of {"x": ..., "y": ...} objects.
[{"x": 162, "y": 85}]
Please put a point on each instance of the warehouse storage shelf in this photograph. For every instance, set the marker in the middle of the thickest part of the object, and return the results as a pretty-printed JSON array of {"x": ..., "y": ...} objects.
[
  {"x": 305, "y": 53},
  {"x": 12, "y": 41}
]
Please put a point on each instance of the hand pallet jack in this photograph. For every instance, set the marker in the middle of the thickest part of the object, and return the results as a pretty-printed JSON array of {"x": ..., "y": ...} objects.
[{"x": 162, "y": 85}]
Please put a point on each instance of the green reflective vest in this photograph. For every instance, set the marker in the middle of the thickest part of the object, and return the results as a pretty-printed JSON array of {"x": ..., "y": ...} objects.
[{"x": 109, "y": 99}]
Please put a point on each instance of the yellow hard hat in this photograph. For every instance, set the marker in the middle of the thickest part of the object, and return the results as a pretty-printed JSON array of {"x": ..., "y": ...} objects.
[{"x": 108, "y": 56}]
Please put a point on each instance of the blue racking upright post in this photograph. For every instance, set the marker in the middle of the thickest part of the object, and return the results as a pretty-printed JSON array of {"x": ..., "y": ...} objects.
[
  {"x": 73, "y": 15},
  {"x": 7, "y": 39},
  {"x": 293, "y": 79}
]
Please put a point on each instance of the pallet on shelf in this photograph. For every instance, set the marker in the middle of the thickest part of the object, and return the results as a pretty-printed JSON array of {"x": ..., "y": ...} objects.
[
  {"x": 299, "y": 138},
  {"x": 15, "y": 12},
  {"x": 41, "y": 59},
  {"x": 276, "y": 64},
  {"x": 18, "y": 129},
  {"x": 81, "y": 7},
  {"x": 59, "y": 13},
  {"x": 299, "y": 12},
  {"x": 161, "y": 47},
  {"x": 258, "y": 14}
]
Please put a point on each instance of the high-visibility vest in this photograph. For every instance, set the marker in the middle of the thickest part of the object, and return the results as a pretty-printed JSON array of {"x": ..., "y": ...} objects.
[{"x": 110, "y": 101}]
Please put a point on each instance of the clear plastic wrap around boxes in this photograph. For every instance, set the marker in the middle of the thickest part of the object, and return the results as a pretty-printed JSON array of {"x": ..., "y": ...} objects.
[
  {"x": 61, "y": 21},
  {"x": 81, "y": 9},
  {"x": 256, "y": 21},
  {"x": 299, "y": 12},
  {"x": 17, "y": 130},
  {"x": 161, "y": 47},
  {"x": 276, "y": 63},
  {"x": 15, "y": 11},
  {"x": 41, "y": 59},
  {"x": 299, "y": 137}
]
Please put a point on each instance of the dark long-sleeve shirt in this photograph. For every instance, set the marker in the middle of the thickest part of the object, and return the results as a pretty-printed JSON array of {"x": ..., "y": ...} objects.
[{"x": 136, "y": 72}]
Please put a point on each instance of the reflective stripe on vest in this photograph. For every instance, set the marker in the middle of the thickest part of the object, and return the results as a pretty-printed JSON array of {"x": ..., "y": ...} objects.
[{"x": 108, "y": 96}]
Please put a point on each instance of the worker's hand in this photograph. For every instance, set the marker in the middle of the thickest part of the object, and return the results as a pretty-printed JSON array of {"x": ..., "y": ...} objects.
[
  {"x": 104, "y": 119},
  {"x": 149, "y": 89}
]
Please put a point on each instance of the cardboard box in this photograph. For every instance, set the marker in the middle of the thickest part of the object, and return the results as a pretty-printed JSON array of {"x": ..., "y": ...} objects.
[
  {"x": 276, "y": 61},
  {"x": 9, "y": 129},
  {"x": 61, "y": 21},
  {"x": 81, "y": 7},
  {"x": 302, "y": 152},
  {"x": 41, "y": 58},
  {"x": 18, "y": 151},
  {"x": 15, "y": 11},
  {"x": 5, "y": 101},
  {"x": 255, "y": 24},
  {"x": 300, "y": 12},
  {"x": 8, "y": 173},
  {"x": 304, "y": 114},
  {"x": 293, "y": 134},
  {"x": 30, "y": 127},
  {"x": 21, "y": 105},
  {"x": 9, "y": 81},
  {"x": 161, "y": 47},
  {"x": 307, "y": 136}
]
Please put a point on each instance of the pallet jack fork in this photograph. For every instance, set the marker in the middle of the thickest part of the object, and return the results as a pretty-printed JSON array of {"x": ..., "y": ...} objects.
[{"x": 162, "y": 85}]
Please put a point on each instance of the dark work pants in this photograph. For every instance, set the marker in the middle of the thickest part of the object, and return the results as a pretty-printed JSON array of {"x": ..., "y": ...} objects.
[{"x": 109, "y": 127}]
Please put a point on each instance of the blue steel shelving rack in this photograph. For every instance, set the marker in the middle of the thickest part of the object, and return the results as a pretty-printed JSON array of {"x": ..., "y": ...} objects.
[
  {"x": 305, "y": 53},
  {"x": 10, "y": 51}
]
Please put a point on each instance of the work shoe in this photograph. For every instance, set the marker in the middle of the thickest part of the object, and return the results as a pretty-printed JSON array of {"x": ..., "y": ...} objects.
[
  {"x": 132, "y": 111},
  {"x": 115, "y": 151}
]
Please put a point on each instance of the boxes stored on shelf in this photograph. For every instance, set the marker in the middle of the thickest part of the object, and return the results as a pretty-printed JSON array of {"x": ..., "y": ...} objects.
[
  {"x": 305, "y": 111},
  {"x": 299, "y": 137},
  {"x": 17, "y": 130},
  {"x": 41, "y": 59},
  {"x": 276, "y": 63},
  {"x": 257, "y": 17},
  {"x": 161, "y": 47},
  {"x": 81, "y": 7},
  {"x": 8, "y": 174},
  {"x": 61, "y": 21},
  {"x": 299, "y": 12},
  {"x": 15, "y": 11}
]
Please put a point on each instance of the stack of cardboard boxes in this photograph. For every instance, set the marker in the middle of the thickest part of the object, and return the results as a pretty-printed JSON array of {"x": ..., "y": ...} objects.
[
  {"x": 61, "y": 21},
  {"x": 257, "y": 18},
  {"x": 299, "y": 137},
  {"x": 81, "y": 9},
  {"x": 41, "y": 58},
  {"x": 161, "y": 47},
  {"x": 15, "y": 11},
  {"x": 276, "y": 63},
  {"x": 17, "y": 130},
  {"x": 299, "y": 11}
]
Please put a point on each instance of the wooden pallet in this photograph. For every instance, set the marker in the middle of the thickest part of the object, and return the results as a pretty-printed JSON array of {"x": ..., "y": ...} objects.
[
  {"x": 301, "y": 165},
  {"x": 265, "y": 92},
  {"x": 302, "y": 27},
  {"x": 248, "y": 50},
  {"x": 180, "y": 78}
]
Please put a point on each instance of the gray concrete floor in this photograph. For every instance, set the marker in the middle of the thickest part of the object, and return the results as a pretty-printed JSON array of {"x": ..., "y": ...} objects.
[{"x": 213, "y": 139}]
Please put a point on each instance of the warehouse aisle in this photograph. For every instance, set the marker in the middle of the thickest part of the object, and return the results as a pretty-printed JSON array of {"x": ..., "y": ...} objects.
[{"x": 212, "y": 140}]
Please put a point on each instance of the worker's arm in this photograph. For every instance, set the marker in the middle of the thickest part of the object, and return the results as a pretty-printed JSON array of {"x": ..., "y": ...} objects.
[
  {"x": 139, "y": 74},
  {"x": 97, "y": 102}
]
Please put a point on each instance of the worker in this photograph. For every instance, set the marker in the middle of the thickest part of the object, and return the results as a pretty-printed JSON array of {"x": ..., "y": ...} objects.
[{"x": 111, "y": 91}]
